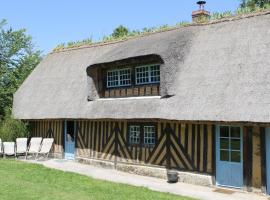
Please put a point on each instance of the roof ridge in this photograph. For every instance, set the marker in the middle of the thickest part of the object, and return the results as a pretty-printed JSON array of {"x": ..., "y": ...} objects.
[{"x": 104, "y": 43}]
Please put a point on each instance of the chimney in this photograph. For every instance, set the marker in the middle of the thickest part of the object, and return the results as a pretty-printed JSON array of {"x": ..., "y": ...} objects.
[{"x": 200, "y": 15}]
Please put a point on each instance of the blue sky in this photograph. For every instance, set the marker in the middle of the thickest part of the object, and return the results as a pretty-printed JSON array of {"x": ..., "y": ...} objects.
[{"x": 51, "y": 22}]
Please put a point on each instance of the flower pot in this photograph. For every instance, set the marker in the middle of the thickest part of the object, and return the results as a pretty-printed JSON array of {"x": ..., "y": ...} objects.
[{"x": 172, "y": 177}]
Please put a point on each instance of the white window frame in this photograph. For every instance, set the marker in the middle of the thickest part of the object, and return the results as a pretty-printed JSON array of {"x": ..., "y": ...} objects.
[
  {"x": 149, "y": 74},
  {"x": 132, "y": 137},
  {"x": 118, "y": 78},
  {"x": 146, "y": 137}
]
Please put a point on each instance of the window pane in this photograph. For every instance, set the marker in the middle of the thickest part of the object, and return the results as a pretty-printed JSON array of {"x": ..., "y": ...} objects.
[
  {"x": 134, "y": 134},
  {"x": 125, "y": 77},
  {"x": 235, "y": 144},
  {"x": 224, "y": 131},
  {"x": 235, "y": 132},
  {"x": 224, "y": 143},
  {"x": 155, "y": 73},
  {"x": 224, "y": 155},
  {"x": 235, "y": 156},
  {"x": 112, "y": 78},
  {"x": 142, "y": 75},
  {"x": 149, "y": 135}
]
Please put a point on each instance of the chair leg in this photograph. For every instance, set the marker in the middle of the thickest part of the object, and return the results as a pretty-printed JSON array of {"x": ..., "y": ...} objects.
[{"x": 36, "y": 156}]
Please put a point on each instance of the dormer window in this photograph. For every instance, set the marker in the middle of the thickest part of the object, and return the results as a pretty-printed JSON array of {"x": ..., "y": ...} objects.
[
  {"x": 119, "y": 78},
  {"x": 131, "y": 77},
  {"x": 147, "y": 74}
]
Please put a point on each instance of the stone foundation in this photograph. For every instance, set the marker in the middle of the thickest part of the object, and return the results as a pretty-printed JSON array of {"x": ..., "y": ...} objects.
[{"x": 157, "y": 172}]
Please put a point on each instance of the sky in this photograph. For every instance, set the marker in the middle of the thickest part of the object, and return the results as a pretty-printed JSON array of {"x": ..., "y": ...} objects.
[{"x": 52, "y": 22}]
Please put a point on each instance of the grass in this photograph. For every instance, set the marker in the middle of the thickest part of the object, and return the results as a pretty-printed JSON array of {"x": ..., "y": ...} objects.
[{"x": 19, "y": 180}]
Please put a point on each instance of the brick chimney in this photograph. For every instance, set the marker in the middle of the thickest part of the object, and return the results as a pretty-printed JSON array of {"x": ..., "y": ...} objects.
[{"x": 200, "y": 15}]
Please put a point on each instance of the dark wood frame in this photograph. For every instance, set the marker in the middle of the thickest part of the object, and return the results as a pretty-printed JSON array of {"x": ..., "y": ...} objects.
[
  {"x": 141, "y": 124},
  {"x": 247, "y": 158},
  {"x": 263, "y": 160}
]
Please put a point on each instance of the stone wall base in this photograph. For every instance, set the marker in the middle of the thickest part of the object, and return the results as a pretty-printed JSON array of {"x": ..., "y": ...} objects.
[{"x": 152, "y": 171}]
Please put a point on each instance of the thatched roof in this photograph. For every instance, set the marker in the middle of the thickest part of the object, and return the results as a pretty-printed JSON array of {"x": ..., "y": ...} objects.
[{"x": 214, "y": 72}]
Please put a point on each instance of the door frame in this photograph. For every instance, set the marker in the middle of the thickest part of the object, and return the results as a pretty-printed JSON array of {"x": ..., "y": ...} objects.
[
  {"x": 267, "y": 158},
  {"x": 217, "y": 145},
  {"x": 69, "y": 156}
]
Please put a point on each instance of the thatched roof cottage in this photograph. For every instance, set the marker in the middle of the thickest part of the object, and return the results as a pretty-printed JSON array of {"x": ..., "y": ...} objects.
[{"x": 194, "y": 99}]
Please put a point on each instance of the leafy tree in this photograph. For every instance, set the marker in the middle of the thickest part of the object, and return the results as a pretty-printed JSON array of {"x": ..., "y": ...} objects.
[
  {"x": 254, "y": 3},
  {"x": 11, "y": 128},
  {"x": 120, "y": 31},
  {"x": 17, "y": 59}
]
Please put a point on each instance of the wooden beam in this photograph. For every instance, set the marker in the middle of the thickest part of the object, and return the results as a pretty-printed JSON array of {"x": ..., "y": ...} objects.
[
  {"x": 247, "y": 157},
  {"x": 168, "y": 131},
  {"x": 263, "y": 159},
  {"x": 214, "y": 154}
]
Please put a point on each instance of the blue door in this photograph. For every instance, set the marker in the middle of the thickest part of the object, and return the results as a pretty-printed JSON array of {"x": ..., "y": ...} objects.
[
  {"x": 69, "y": 139},
  {"x": 267, "y": 144},
  {"x": 229, "y": 156}
]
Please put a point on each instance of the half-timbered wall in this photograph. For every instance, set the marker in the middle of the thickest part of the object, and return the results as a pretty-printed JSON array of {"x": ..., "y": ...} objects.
[
  {"x": 49, "y": 129},
  {"x": 178, "y": 145},
  {"x": 184, "y": 146}
]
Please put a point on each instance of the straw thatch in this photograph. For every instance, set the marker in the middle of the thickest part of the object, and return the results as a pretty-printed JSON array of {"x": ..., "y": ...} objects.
[{"x": 215, "y": 72}]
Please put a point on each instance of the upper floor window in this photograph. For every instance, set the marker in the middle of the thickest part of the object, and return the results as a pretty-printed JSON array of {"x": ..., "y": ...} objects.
[
  {"x": 119, "y": 77},
  {"x": 147, "y": 74},
  {"x": 138, "y": 76}
]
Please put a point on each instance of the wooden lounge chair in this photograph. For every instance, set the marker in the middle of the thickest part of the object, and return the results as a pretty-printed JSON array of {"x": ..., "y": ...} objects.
[
  {"x": 46, "y": 147},
  {"x": 34, "y": 146},
  {"x": 9, "y": 149},
  {"x": 21, "y": 146}
]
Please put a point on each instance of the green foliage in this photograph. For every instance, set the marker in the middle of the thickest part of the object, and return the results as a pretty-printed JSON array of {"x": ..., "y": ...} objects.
[
  {"x": 10, "y": 128},
  {"x": 183, "y": 23},
  {"x": 17, "y": 59},
  {"x": 216, "y": 15},
  {"x": 253, "y": 4},
  {"x": 120, "y": 31}
]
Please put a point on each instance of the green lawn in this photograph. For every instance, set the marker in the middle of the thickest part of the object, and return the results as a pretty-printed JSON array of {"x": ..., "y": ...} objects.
[{"x": 20, "y": 180}]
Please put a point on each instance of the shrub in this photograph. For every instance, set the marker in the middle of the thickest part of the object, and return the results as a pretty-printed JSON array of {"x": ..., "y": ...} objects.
[{"x": 11, "y": 128}]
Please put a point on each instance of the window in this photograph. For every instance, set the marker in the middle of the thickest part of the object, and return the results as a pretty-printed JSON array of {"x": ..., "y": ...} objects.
[
  {"x": 230, "y": 144},
  {"x": 119, "y": 77},
  {"x": 142, "y": 134},
  {"x": 134, "y": 134},
  {"x": 147, "y": 74},
  {"x": 149, "y": 135}
]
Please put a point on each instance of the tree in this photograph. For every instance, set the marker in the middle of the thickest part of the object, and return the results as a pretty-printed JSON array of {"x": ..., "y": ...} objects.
[
  {"x": 254, "y": 3},
  {"x": 120, "y": 31},
  {"x": 17, "y": 59}
]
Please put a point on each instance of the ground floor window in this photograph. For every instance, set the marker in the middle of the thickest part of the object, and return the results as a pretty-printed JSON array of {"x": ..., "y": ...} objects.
[{"x": 142, "y": 134}]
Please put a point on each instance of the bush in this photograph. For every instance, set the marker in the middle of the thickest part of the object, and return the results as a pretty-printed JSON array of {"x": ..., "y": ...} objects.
[{"x": 11, "y": 128}]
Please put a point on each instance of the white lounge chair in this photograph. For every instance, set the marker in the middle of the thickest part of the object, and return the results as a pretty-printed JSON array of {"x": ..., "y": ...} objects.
[
  {"x": 46, "y": 147},
  {"x": 21, "y": 146},
  {"x": 34, "y": 146},
  {"x": 1, "y": 148},
  {"x": 9, "y": 149}
]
